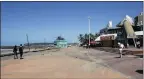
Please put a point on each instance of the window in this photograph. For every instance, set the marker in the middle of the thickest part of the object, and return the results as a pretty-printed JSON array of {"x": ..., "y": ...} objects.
[
  {"x": 138, "y": 28},
  {"x": 116, "y": 31}
]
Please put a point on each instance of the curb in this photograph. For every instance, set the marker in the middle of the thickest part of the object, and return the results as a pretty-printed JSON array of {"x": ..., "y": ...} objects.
[{"x": 10, "y": 54}]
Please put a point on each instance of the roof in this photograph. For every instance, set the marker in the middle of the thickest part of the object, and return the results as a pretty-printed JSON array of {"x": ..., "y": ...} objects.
[
  {"x": 128, "y": 18},
  {"x": 109, "y": 34},
  {"x": 60, "y": 41},
  {"x": 97, "y": 39},
  {"x": 114, "y": 28}
]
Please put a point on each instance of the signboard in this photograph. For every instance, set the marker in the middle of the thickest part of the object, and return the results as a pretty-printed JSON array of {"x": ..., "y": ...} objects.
[
  {"x": 92, "y": 42},
  {"x": 107, "y": 37}
]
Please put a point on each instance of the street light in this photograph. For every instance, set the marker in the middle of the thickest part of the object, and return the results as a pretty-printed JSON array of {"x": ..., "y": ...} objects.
[
  {"x": 89, "y": 28},
  {"x": 44, "y": 43},
  {"x": 28, "y": 41}
]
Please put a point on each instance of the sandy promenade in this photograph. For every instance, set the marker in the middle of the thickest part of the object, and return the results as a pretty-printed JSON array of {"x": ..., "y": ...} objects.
[{"x": 60, "y": 64}]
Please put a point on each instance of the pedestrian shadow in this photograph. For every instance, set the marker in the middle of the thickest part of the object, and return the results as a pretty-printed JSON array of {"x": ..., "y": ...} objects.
[
  {"x": 21, "y": 58},
  {"x": 116, "y": 57},
  {"x": 34, "y": 51},
  {"x": 40, "y": 50},
  {"x": 126, "y": 52},
  {"x": 139, "y": 71}
]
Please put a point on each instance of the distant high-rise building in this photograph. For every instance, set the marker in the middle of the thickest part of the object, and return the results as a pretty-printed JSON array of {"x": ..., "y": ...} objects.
[{"x": 139, "y": 20}]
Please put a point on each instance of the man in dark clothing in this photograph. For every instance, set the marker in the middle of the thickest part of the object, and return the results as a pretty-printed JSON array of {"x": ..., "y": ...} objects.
[
  {"x": 15, "y": 52},
  {"x": 21, "y": 51}
]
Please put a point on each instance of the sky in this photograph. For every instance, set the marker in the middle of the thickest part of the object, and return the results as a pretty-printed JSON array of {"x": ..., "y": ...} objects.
[{"x": 51, "y": 19}]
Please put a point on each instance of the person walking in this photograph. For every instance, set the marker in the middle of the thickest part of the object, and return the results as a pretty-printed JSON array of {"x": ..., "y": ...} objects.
[
  {"x": 21, "y": 51},
  {"x": 121, "y": 46},
  {"x": 15, "y": 52}
]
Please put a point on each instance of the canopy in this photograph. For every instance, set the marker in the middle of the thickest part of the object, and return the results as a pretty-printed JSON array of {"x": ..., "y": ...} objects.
[{"x": 98, "y": 38}]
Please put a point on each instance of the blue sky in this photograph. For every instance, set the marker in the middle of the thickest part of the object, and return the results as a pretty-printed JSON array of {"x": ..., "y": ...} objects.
[{"x": 50, "y": 19}]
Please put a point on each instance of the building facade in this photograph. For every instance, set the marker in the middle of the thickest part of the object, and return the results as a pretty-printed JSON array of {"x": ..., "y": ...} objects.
[
  {"x": 61, "y": 43},
  {"x": 139, "y": 20},
  {"x": 126, "y": 32}
]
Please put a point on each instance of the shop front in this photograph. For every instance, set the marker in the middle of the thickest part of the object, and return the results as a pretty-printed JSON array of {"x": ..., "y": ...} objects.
[{"x": 108, "y": 41}]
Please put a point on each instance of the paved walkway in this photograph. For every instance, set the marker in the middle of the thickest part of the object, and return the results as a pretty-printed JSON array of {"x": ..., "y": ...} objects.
[
  {"x": 67, "y": 63},
  {"x": 134, "y": 49},
  {"x": 131, "y": 65}
]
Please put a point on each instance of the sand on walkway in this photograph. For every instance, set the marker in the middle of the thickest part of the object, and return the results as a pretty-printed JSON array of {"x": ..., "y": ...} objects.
[{"x": 56, "y": 65}]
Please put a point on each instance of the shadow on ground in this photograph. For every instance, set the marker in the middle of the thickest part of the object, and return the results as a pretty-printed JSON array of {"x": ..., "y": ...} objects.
[
  {"x": 116, "y": 57},
  {"x": 139, "y": 71},
  {"x": 140, "y": 56}
]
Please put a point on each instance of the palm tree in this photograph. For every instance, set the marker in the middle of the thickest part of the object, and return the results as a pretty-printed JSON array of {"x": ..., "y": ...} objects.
[
  {"x": 92, "y": 36},
  {"x": 86, "y": 36},
  {"x": 96, "y": 35},
  {"x": 84, "y": 39},
  {"x": 81, "y": 38}
]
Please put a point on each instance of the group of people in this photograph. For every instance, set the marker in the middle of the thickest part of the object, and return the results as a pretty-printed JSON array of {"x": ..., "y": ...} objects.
[{"x": 15, "y": 49}]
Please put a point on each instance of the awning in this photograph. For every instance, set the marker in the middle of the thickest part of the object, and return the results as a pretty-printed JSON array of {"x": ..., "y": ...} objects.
[
  {"x": 98, "y": 38},
  {"x": 139, "y": 33},
  {"x": 105, "y": 35}
]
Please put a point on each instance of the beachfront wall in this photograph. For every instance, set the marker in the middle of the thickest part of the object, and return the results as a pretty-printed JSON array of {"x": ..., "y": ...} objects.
[{"x": 61, "y": 44}]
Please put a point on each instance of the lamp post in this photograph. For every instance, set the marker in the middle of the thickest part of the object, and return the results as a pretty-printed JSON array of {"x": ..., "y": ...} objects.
[
  {"x": 28, "y": 41},
  {"x": 89, "y": 28},
  {"x": 44, "y": 43}
]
